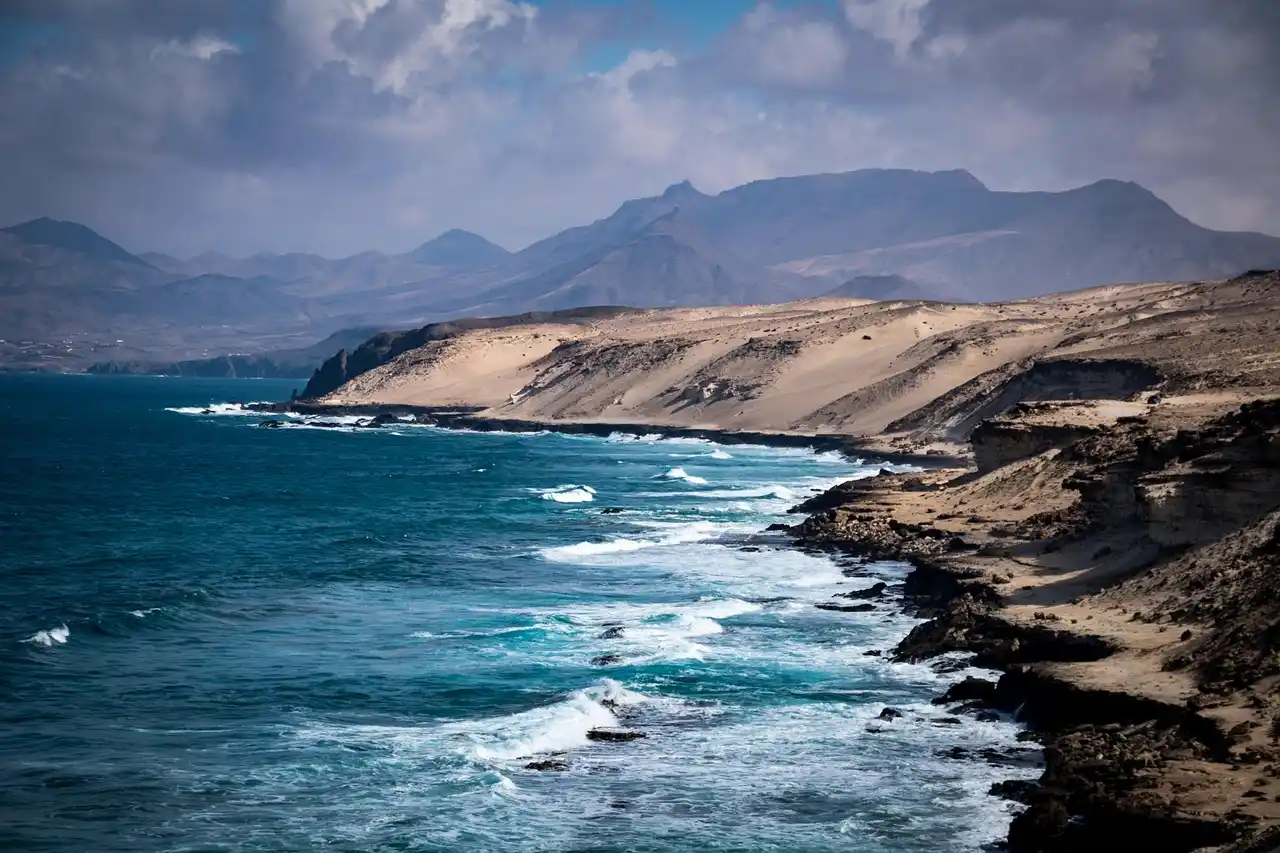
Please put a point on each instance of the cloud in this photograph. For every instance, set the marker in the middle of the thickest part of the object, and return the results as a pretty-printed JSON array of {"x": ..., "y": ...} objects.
[
  {"x": 894, "y": 21},
  {"x": 200, "y": 47},
  {"x": 340, "y": 125}
]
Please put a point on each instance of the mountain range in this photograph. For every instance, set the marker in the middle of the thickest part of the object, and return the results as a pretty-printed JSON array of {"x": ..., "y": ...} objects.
[{"x": 878, "y": 234}]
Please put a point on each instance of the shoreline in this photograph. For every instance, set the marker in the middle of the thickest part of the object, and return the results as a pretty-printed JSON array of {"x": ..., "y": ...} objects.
[
  {"x": 1086, "y": 609},
  {"x": 1034, "y": 561},
  {"x": 470, "y": 418}
]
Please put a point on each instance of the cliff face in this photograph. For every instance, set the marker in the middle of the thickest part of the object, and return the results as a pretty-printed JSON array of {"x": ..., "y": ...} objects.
[{"x": 386, "y": 346}]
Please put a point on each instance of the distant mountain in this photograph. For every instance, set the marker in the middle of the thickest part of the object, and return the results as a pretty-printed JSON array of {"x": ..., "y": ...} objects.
[
  {"x": 298, "y": 363},
  {"x": 211, "y": 299},
  {"x": 875, "y": 233},
  {"x": 666, "y": 261},
  {"x": 946, "y": 230},
  {"x": 72, "y": 237},
  {"x": 459, "y": 250},
  {"x": 882, "y": 288}
]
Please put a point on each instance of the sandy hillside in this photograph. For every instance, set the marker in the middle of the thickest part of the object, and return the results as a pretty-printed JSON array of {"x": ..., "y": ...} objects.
[{"x": 855, "y": 367}]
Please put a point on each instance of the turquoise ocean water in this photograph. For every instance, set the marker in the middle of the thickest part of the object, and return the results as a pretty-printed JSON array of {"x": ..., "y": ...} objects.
[{"x": 215, "y": 637}]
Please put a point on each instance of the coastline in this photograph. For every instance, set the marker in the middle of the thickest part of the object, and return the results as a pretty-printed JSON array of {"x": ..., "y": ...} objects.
[
  {"x": 471, "y": 418},
  {"x": 1122, "y": 620},
  {"x": 1033, "y": 560}
]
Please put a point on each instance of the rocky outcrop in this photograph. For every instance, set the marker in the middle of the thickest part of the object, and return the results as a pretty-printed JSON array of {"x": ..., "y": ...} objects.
[
  {"x": 1000, "y": 442},
  {"x": 874, "y": 537},
  {"x": 956, "y": 414}
]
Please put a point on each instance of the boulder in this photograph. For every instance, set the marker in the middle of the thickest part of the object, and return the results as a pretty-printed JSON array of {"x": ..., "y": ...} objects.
[
  {"x": 874, "y": 591},
  {"x": 844, "y": 608},
  {"x": 613, "y": 735},
  {"x": 606, "y": 660}
]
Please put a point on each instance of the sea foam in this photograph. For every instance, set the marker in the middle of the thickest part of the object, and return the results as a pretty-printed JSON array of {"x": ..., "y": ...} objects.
[
  {"x": 51, "y": 637},
  {"x": 568, "y": 494},
  {"x": 558, "y": 727},
  {"x": 681, "y": 474}
]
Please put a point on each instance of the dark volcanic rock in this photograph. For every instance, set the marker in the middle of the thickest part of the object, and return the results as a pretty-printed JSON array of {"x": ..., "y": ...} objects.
[
  {"x": 606, "y": 660},
  {"x": 969, "y": 690},
  {"x": 875, "y": 591},
  {"x": 548, "y": 765},
  {"x": 844, "y": 608},
  {"x": 613, "y": 735},
  {"x": 612, "y": 633},
  {"x": 890, "y": 714}
]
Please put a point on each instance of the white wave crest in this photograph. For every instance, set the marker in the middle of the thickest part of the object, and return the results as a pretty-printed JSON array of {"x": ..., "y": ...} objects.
[
  {"x": 699, "y": 531},
  {"x": 681, "y": 474},
  {"x": 720, "y": 454},
  {"x": 568, "y": 494},
  {"x": 52, "y": 637},
  {"x": 214, "y": 409},
  {"x": 770, "y": 491},
  {"x": 143, "y": 614},
  {"x": 553, "y": 728}
]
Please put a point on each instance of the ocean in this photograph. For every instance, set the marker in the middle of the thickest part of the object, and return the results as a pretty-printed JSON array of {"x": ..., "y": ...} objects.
[{"x": 217, "y": 637}]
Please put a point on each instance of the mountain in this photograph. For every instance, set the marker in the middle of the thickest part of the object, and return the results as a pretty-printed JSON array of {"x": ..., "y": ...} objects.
[
  {"x": 212, "y": 299},
  {"x": 457, "y": 249},
  {"x": 945, "y": 231},
  {"x": 294, "y": 363},
  {"x": 72, "y": 237},
  {"x": 665, "y": 261},
  {"x": 882, "y": 288},
  {"x": 944, "y": 234}
]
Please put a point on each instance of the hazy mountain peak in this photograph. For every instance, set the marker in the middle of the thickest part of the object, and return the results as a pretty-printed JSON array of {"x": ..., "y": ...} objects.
[
  {"x": 683, "y": 191},
  {"x": 72, "y": 236},
  {"x": 458, "y": 249}
]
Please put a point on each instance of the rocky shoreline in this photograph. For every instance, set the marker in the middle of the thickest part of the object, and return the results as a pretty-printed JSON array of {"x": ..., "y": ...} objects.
[{"x": 1110, "y": 654}]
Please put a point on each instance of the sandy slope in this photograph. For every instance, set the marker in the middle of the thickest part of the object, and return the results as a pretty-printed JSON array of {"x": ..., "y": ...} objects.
[{"x": 834, "y": 365}]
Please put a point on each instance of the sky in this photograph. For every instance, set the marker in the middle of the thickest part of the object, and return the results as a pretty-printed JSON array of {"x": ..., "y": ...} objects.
[{"x": 339, "y": 126}]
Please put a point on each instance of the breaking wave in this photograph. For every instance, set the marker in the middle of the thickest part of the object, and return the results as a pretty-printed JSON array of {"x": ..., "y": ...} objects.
[
  {"x": 51, "y": 637},
  {"x": 569, "y": 494},
  {"x": 681, "y": 474}
]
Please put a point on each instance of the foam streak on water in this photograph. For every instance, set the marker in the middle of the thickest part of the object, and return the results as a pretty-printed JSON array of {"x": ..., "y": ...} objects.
[{"x": 275, "y": 640}]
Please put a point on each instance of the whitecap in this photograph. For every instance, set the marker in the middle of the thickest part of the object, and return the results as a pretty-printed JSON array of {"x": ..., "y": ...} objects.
[
  {"x": 214, "y": 409},
  {"x": 720, "y": 454},
  {"x": 143, "y": 614},
  {"x": 772, "y": 490},
  {"x": 558, "y": 727},
  {"x": 697, "y": 531},
  {"x": 681, "y": 474},
  {"x": 568, "y": 494},
  {"x": 51, "y": 637}
]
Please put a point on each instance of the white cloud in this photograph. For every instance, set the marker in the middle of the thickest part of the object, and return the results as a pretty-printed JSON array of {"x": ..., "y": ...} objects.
[{"x": 894, "y": 21}]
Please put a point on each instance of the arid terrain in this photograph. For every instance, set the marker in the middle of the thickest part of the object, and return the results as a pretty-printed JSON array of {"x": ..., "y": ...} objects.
[
  {"x": 905, "y": 372},
  {"x": 1110, "y": 540}
]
